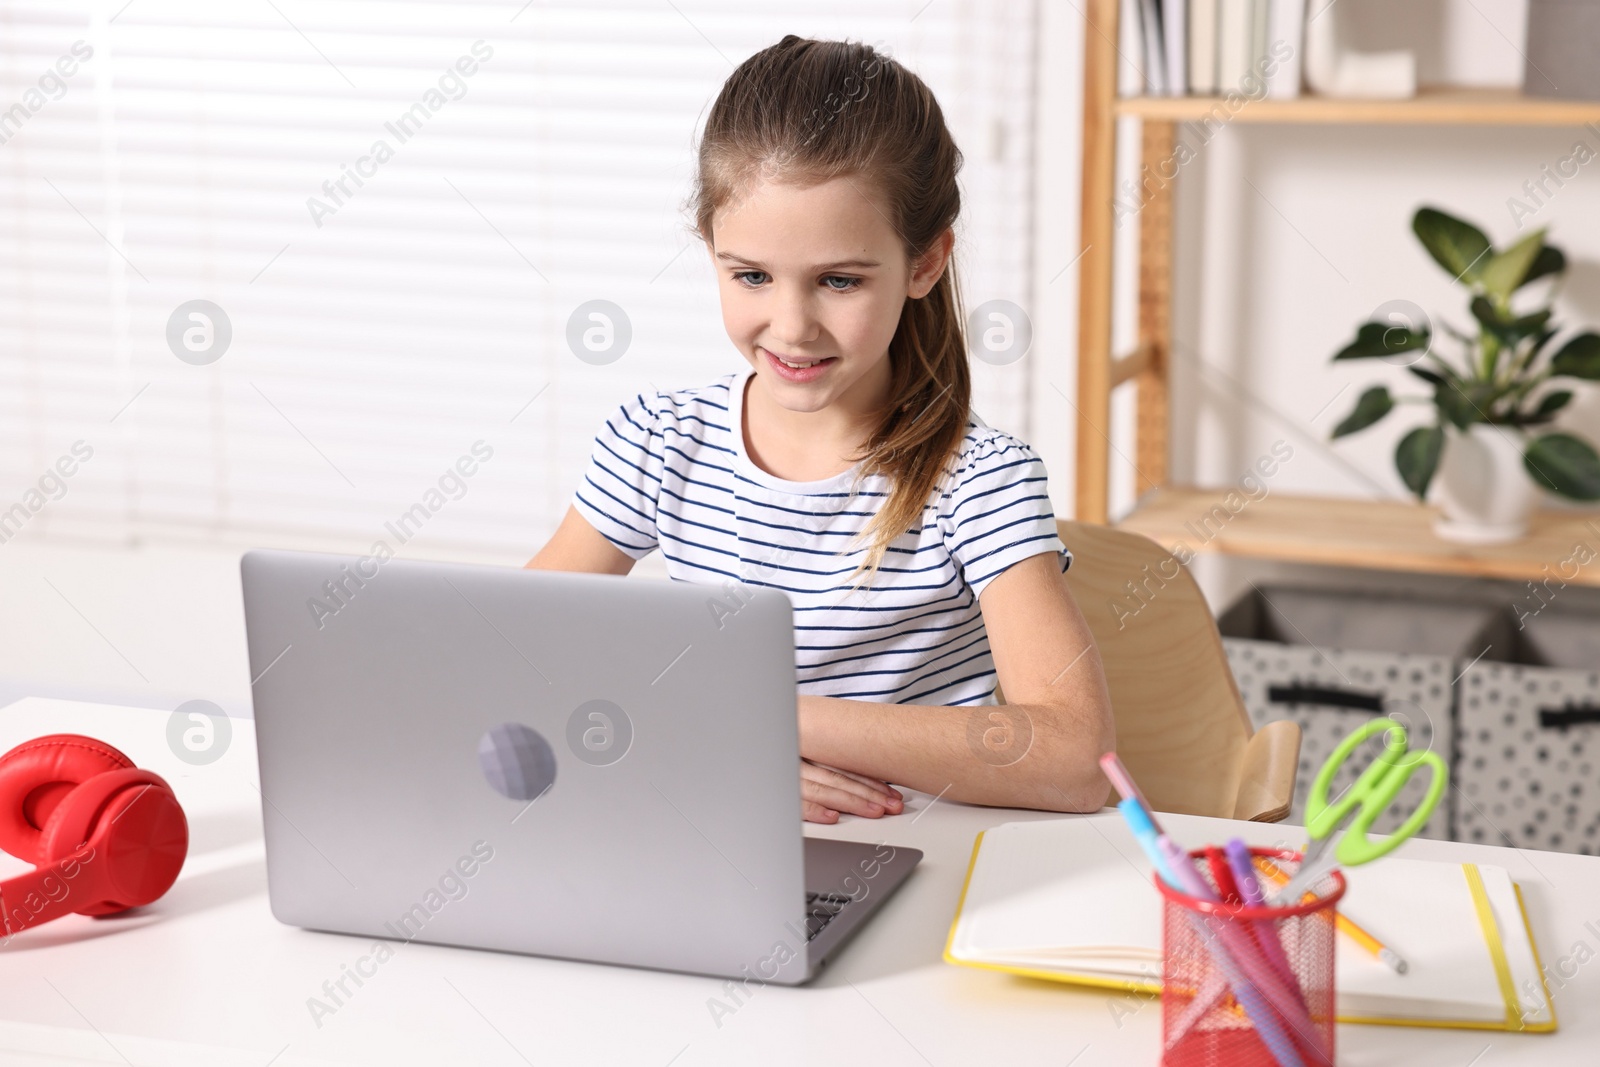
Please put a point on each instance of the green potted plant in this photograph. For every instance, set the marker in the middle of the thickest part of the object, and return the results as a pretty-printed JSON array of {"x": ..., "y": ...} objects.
[{"x": 1488, "y": 440}]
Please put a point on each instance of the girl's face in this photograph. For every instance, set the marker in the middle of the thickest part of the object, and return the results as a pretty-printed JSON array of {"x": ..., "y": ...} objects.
[{"x": 816, "y": 276}]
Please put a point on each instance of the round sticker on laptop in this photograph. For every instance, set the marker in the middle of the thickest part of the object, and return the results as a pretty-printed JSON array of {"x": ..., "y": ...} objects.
[{"x": 517, "y": 761}]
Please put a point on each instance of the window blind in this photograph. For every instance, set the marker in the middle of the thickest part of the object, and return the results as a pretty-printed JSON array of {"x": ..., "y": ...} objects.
[{"x": 390, "y": 211}]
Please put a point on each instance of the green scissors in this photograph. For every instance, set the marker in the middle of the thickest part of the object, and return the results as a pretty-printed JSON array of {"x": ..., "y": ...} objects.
[{"x": 1371, "y": 794}]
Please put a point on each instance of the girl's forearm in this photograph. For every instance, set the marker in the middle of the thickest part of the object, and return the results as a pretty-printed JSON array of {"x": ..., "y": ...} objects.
[{"x": 1035, "y": 756}]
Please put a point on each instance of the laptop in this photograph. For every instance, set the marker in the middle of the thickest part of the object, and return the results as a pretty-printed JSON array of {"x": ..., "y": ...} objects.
[{"x": 582, "y": 766}]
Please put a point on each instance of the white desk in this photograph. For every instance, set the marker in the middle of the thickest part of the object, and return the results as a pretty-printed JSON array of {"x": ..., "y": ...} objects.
[{"x": 207, "y": 976}]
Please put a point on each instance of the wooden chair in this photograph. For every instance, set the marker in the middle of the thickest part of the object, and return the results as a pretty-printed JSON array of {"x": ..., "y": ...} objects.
[{"x": 1182, "y": 729}]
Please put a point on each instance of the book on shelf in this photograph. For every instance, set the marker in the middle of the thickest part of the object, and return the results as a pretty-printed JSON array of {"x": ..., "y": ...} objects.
[
  {"x": 1155, "y": 57},
  {"x": 1286, "y": 39},
  {"x": 1175, "y": 38},
  {"x": 1234, "y": 22},
  {"x": 1202, "y": 23},
  {"x": 1130, "y": 49},
  {"x": 1214, "y": 47},
  {"x": 1256, "y": 49}
]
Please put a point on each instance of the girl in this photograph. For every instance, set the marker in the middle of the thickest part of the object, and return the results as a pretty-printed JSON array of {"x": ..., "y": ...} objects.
[{"x": 826, "y": 195}]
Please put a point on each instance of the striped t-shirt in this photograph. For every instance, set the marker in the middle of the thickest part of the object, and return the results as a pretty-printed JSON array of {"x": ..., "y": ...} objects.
[{"x": 669, "y": 470}]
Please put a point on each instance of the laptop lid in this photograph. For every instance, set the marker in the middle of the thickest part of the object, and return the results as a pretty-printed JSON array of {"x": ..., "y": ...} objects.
[{"x": 573, "y": 765}]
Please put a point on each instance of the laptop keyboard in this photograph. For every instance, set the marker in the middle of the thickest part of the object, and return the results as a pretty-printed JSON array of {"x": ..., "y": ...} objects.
[{"x": 820, "y": 910}]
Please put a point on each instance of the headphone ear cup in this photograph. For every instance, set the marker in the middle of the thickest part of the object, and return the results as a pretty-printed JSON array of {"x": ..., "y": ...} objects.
[
  {"x": 138, "y": 831},
  {"x": 145, "y": 837},
  {"x": 36, "y": 776}
]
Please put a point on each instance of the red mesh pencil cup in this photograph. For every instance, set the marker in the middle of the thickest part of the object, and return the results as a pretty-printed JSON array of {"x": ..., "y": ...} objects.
[{"x": 1202, "y": 1023}]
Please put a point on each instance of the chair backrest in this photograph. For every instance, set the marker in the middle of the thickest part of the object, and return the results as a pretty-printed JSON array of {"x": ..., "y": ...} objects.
[{"x": 1181, "y": 725}]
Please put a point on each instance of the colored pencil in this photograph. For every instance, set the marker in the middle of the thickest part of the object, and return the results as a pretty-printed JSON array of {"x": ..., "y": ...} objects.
[{"x": 1346, "y": 925}]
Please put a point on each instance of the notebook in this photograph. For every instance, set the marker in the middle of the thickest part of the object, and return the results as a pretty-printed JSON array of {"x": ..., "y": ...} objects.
[{"x": 1072, "y": 900}]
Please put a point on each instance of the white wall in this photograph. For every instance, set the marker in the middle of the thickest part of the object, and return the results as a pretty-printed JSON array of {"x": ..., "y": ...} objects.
[{"x": 1052, "y": 362}]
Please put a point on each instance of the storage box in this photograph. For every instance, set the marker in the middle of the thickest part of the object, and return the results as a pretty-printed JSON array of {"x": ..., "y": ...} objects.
[
  {"x": 1530, "y": 739},
  {"x": 1332, "y": 660}
]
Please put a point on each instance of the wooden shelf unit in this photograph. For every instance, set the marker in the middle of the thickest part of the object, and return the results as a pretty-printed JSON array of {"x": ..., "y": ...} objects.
[{"x": 1390, "y": 534}]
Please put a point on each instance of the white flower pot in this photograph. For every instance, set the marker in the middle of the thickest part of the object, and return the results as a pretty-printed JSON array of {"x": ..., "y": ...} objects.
[{"x": 1482, "y": 487}]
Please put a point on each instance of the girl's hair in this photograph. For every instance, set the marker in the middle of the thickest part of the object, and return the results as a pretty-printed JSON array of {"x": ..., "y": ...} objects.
[{"x": 803, "y": 112}]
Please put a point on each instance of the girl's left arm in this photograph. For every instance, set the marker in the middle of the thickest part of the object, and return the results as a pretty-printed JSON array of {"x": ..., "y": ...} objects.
[{"x": 1040, "y": 749}]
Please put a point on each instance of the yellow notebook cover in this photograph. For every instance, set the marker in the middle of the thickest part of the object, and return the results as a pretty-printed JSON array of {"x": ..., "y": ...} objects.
[{"x": 1071, "y": 900}]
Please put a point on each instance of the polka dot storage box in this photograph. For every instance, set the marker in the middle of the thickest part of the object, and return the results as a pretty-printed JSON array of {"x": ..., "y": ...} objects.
[
  {"x": 1331, "y": 660},
  {"x": 1528, "y": 761}
]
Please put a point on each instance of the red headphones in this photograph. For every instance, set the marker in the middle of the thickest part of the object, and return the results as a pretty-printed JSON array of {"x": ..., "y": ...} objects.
[{"x": 105, "y": 835}]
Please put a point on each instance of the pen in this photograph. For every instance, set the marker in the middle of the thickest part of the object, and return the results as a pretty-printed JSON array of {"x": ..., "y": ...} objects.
[
  {"x": 1244, "y": 871},
  {"x": 1146, "y": 834},
  {"x": 1346, "y": 925},
  {"x": 1222, "y": 875},
  {"x": 1141, "y": 820},
  {"x": 1244, "y": 876},
  {"x": 1124, "y": 784}
]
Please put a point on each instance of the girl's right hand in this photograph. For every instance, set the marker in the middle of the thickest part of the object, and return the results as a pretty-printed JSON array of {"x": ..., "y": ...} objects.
[{"x": 826, "y": 791}]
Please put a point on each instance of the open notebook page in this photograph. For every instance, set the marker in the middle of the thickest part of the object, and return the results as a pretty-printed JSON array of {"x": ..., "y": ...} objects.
[{"x": 1075, "y": 896}]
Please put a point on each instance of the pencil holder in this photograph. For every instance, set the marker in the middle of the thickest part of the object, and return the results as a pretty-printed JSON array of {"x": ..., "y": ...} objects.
[{"x": 1248, "y": 985}]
